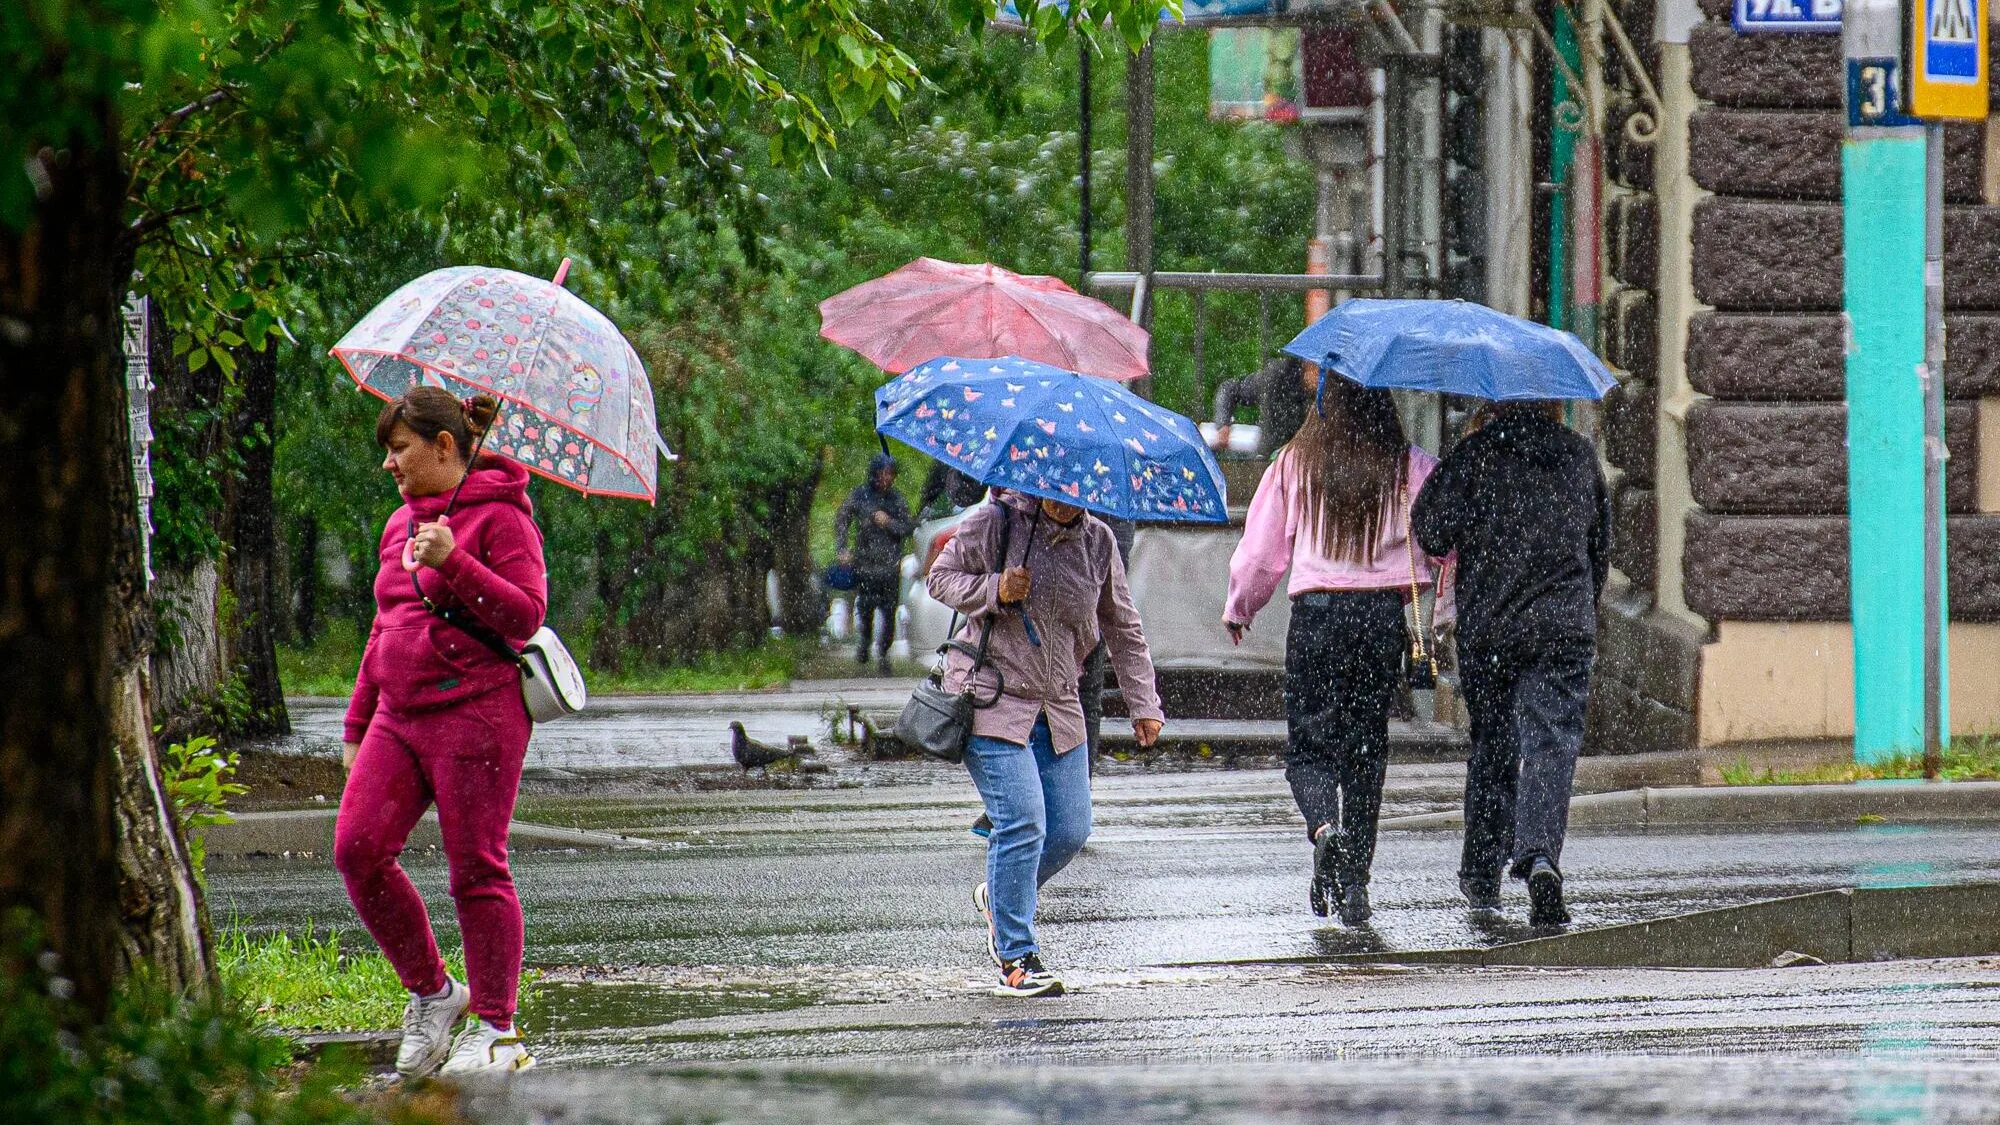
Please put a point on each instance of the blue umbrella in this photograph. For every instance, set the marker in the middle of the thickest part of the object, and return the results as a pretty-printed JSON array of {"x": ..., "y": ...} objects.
[
  {"x": 1014, "y": 423},
  {"x": 1455, "y": 347}
]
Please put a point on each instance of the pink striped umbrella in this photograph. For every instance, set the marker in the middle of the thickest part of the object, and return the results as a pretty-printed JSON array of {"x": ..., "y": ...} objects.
[{"x": 930, "y": 308}]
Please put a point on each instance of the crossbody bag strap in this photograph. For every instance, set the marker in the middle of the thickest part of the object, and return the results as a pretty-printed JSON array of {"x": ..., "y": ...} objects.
[
  {"x": 1417, "y": 646},
  {"x": 470, "y": 628},
  {"x": 986, "y": 630}
]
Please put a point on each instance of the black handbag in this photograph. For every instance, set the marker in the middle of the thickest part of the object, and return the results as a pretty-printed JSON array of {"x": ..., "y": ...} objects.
[{"x": 938, "y": 721}]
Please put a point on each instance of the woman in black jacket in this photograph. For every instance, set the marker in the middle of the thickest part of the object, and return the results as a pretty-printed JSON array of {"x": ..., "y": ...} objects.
[{"x": 1523, "y": 503}]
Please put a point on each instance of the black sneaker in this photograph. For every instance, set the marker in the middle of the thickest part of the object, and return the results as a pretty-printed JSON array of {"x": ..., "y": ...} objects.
[
  {"x": 1545, "y": 895},
  {"x": 1025, "y": 977},
  {"x": 1480, "y": 894},
  {"x": 861, "y": 657},
  {"x": 1354, "y": 909},
  {"x": 1326, "y": 867},
  {"x": 885, "y": 668}
]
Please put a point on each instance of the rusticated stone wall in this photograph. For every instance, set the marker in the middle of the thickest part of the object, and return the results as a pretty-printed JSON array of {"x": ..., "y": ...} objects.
[
  {"x": 1767, "y": 456},
  {"x": 1765, "y": 447},
  {"x": 1643, "y": 690}
]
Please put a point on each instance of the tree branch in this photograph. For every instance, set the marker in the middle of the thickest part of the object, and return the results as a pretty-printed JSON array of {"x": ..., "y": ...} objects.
[
  {"x": 172, "y": 120},
  {"x": 141, "y": 227}
]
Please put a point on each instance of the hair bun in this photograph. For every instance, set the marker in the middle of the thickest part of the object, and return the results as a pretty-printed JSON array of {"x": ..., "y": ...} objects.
[{"x": 480, "y": 410}]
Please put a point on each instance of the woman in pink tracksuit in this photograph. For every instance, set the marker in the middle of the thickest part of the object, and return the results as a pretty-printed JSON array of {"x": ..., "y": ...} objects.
[
  {"x": 1333, "y": 509},
  {"x": 437, "y": 717}
]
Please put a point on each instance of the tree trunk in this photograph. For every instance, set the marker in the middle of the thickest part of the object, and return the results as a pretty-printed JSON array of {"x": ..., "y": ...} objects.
[
  {"x": 250, "y": 528},
  {"x": 188, "y": 662},
  {"x": 191, "y": 658},
  {"x": 73, "y": 626},
  {"x": 800, "y": 609},
  {"x": 307, "y": 577}
]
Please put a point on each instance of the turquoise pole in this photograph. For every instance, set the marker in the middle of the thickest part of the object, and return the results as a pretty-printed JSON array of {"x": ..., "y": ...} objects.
[{"x": 1883, "y": 226}]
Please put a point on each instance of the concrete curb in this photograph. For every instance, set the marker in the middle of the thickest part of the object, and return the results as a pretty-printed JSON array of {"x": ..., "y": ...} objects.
[
  {"x": 1764, "y": 804},
  {"x": 310, "y": 832},
  {"x": 1853, "y": 924}
]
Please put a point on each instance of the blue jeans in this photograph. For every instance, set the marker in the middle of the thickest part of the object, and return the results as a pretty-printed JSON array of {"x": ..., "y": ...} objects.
[{"x": 1039, "y": 802}]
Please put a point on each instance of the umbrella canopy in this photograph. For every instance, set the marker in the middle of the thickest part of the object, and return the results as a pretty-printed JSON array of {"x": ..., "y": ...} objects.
[
  {"x": 1014, "y": 423},
  {"x": 575, "y": 403},
  {"x": 930, "y": 308},
  {"x": 1455, "y": 347}
]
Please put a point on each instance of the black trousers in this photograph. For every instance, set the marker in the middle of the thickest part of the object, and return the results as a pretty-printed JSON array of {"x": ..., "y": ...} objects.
[
  {"x": 1342, "y": 657},
  {"x": 1090, "y": 692},
  {"x": 873, "y": 595},
  {"x": 1527, "y": 704}
]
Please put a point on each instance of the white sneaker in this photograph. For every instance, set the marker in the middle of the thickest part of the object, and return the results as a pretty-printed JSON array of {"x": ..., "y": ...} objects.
[
  {"x": 484, "y": 1049},
  {"x": 984, "y": 905},
  {"x": 427, "y": 1024}
]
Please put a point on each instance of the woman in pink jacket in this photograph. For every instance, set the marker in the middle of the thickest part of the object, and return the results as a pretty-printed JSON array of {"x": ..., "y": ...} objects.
[
  {"x": 437, "y": 716},
  {"x": 1334, "y": 510}
]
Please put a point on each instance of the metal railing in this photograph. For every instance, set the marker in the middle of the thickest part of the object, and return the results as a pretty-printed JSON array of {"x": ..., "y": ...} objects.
[{"x": 1199, "y": 285}]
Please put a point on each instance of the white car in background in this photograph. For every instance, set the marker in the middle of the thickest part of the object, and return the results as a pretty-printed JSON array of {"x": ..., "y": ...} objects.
[{"x": 1179, "y": 575}]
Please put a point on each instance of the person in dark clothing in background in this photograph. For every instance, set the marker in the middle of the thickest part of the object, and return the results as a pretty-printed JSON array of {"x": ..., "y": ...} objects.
[
  {"x": 1281, "y": 395},
  {"x": 881, "y": 521},
  {"x": 1523, "y": 503}
]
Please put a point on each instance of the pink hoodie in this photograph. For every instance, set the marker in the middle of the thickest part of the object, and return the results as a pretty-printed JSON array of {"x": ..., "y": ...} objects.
[
  {"x": 1277, "y": 538},
  {"x": 415, "y": 661}
]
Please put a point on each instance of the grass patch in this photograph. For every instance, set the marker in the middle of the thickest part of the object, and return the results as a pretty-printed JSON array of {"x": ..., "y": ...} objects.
[
  {"x": 771, "y": 664},
  {"x": 327, "y": 666},
  {"x": 305, "y": 983},
  {"x": 1975, "y": 758}
]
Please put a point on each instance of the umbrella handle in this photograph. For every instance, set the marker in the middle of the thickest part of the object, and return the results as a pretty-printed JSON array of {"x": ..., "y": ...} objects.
[
  {"x": 562, "y": 271},
  {"x": 410, "y": 562}
]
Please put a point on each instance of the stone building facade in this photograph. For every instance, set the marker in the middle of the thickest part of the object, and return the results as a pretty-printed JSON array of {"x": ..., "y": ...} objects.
[{"x": 1729, "y": 617}]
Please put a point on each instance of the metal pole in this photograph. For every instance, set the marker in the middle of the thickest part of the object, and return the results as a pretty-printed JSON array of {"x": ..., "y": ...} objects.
[
  {"x": 1083, "y": 159},
  {"x": 1139, "y": 161},
  {"x": 1885, "y": 162},
  {"x": 1395, "y": 180},
  {"x": 1934, "y": 451}
]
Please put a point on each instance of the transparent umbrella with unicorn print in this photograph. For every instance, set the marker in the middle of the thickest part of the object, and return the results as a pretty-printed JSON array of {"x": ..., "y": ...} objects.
[{"x": 575, "y": 403}]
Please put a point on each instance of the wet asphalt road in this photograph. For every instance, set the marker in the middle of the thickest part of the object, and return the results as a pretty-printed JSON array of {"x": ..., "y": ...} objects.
[
  {"x": 775, "y": 929},
  {"x": 652, "y": 731}
]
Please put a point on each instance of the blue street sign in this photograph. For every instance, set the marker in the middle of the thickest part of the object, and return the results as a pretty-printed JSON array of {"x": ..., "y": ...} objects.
[
  {"x": 1787, "y": 17},
  {"x": 1875, "y": 94},
  {"x": 1951, "y": 48},
  {"x": 1947, "y": 59}
]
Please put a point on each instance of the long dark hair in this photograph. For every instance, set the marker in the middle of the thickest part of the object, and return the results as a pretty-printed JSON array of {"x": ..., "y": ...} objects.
[{"x": 1352, "y": 458}]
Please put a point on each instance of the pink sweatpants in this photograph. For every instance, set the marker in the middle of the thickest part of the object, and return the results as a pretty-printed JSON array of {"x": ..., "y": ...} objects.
[{"x": 468, "y": 759}]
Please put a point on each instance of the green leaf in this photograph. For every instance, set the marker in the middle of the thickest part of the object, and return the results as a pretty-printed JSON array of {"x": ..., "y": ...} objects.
[{"x": 857, "y": 54}]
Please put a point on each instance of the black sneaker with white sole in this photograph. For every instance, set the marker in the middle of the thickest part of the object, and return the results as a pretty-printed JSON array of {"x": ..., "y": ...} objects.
[
  {"x": 1025, "y": 977},
  {"x": 1545, "y": 895}
]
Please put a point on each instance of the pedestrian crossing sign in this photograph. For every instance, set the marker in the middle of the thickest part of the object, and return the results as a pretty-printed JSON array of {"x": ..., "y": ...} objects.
[{"x": 1948, "y": 59}]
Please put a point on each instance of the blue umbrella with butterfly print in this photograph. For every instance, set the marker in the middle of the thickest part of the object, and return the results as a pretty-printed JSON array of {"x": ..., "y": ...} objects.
[{"x": 1014, "y": 423}]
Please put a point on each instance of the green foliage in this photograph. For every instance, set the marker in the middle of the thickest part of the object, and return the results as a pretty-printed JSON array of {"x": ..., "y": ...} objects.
[
  {"x": 327, "y": 665},
  {"x": 198, "y": 781},
  {"x": 301, "y": 982},
  {"x": 978, "y": 165},
  {"x": 1970, "y": 758},
  {"x": 158, "y": 1059}
]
